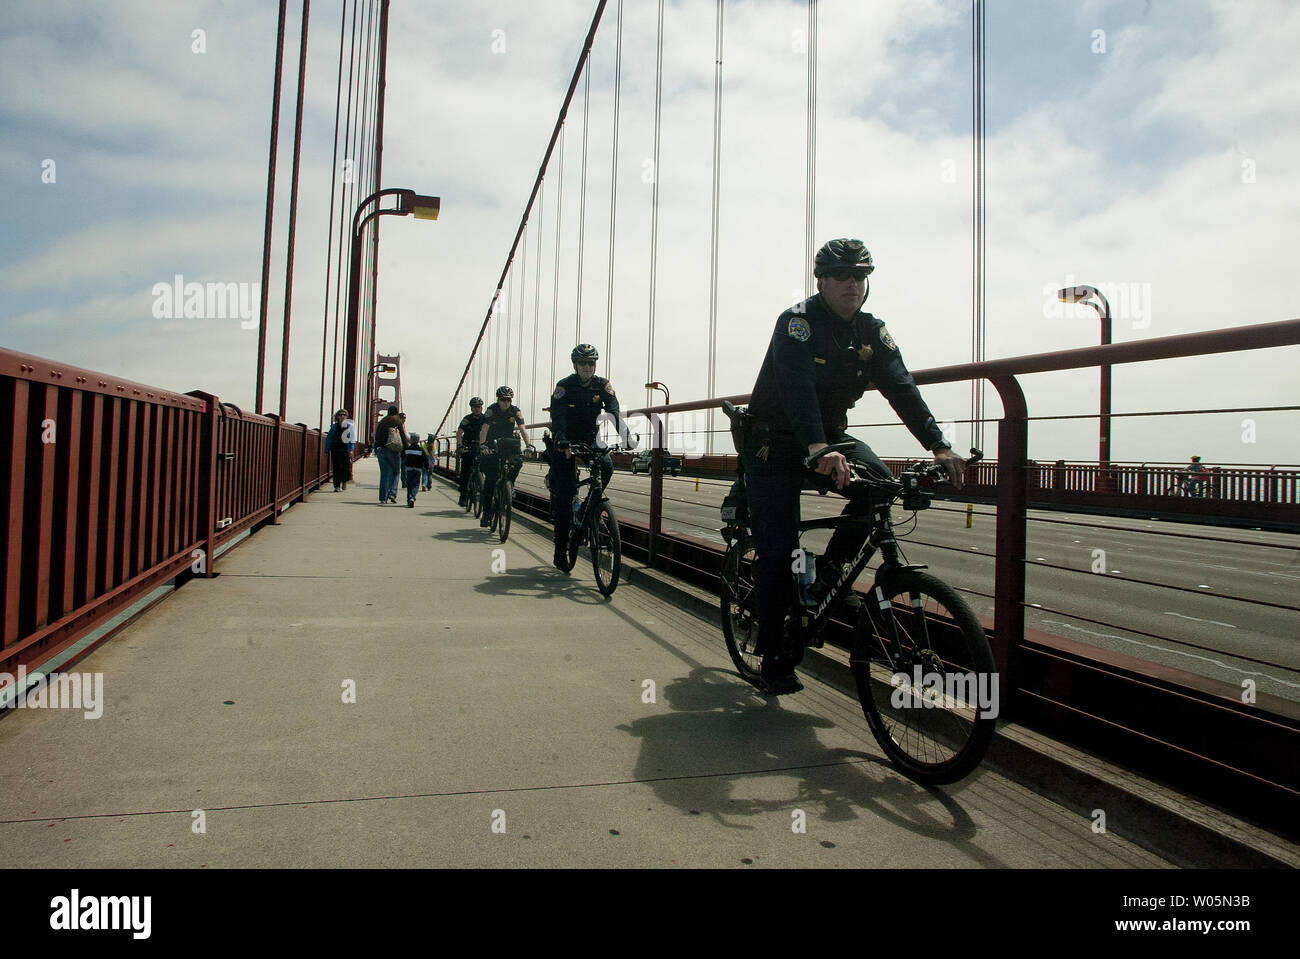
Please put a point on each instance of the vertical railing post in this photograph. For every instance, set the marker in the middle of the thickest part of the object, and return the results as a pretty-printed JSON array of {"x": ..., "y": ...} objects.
[
  {"x": 302, "y": 486},
  {"x": 275, "y": 469},
  {"x": 656, "y": 490},
  {"x": 205, "y": 505},
  {"x": 1009, "y": 572}
]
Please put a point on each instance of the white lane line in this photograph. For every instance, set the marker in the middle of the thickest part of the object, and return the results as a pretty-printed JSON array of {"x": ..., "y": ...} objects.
[
  {"x": 1233, "y": 568},
  {"x": 1178, "y": 652},
  {"x": 1199, "y": 620}
]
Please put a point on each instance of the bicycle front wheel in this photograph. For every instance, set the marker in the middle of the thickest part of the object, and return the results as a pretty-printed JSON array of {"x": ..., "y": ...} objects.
[
  {"x": 606, "y": 549},
  {"x": 476, "y": 493},
  {"x": 505, "y": 496},
  {"x": 925, "y": 676},
  {"x": 739, "y": 607}
]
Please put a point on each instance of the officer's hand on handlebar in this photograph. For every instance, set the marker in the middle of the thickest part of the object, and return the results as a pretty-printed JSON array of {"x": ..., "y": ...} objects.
[
  {"x": 954, "y": 464},
  {"x": 833, "y": 465}
]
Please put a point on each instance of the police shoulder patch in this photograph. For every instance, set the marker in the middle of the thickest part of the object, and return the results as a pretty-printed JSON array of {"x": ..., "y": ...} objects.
[
  {"x": 886, "y": 340},
  {"x": 609, "y": 387},
  {"x": 799, "y": 329},
  {"x": 558, "y": 394}
]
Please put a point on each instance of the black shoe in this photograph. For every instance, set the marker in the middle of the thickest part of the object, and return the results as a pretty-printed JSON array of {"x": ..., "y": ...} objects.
[
  {"x": 410, "y": 504},
  {"x": 779, "y": 684},
  {"x": 484, "y": 521},
  {"x": 561, "y": 561}
]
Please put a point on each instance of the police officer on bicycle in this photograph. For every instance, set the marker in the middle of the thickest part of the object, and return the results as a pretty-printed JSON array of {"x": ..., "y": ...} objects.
[
  {"x": 467, "y": 442},
  {"x": 824, "y": 354},
  {"x": 576, "y": 406},
  {"x": 499, "y": 422}
]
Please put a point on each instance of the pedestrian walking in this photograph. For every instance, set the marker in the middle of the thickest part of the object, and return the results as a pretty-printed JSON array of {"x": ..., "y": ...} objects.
[{"x": 340, "y": 441}]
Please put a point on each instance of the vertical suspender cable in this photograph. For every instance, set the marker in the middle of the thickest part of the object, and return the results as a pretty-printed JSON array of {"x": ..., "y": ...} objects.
[
  {"x": 582, "y": 199},
  {"x": 270, "y": 208},
  {"x": 810, "y": 211},
  {"x": 523, "y": 291},
  {"x": 364, "y": 189},
  {"x": 537, "y": 292},
  {"x": 382, "y": 56},
  {"x": 329, "y": 243},
  {"x": 345, "y": 214},
  {"x": 293, "y": 211},
  {"x": 555, "y": 288},
  {"x": 613, "y": 195},
  {"x": 713, "y": 252},
  {"x": 654, "y": 203},
  {"x": 978, "y": 291}
]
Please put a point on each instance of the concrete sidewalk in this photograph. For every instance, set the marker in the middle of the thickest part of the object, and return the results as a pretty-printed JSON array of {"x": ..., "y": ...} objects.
[{"x": 500, "y": 719}]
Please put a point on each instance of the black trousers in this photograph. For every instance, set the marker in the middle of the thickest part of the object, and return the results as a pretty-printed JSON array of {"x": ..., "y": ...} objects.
[
  {"x": 491, "y": 466},
  {"x": 468, "y": 464},
  {"x": 564, "y": 484},
  {"x": 340, "y": 464},
  {"x": 773, "y": 487}
]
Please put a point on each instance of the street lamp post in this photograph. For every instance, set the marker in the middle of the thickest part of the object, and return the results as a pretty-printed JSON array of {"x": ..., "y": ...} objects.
[
  {"x": 408, "y": 203},
  {"x": 1091, "y": 296},
  {"x": 657, "y": 479}
]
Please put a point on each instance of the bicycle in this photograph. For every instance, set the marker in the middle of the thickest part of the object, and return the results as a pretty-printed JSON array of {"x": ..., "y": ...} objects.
[
  {"x": 920, "y": 659},
  {"x": 474, "y": 491},
  {"x": 597, "y": 528},
  {"x": 510, "y": 455}
]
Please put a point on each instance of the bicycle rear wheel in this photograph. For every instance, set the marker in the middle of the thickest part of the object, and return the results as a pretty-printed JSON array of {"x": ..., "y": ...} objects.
[
  {"x": 925, "y": 676},
  {"x": 606, "y": 549},
  {"x": 739, "y": 607},
  {"x": 505, "y": 496}
]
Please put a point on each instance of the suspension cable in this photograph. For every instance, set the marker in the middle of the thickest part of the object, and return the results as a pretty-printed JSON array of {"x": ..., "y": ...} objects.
[
  {"x": 537, "y": 292},
  {"x": 555, "y": 301},
  {"x": 810, "y": 184},
  {"x": 654, "y": 203},
  {"x": 582, "y": 199},
  {"x": 613, "y": 195},
  {"x": 713, "y": 246},
  {"x": 343, "y": 239}
]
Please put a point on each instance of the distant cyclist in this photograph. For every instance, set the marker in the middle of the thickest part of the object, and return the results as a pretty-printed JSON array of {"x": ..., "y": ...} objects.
[
  {"x": 576, "y": 406},
  {"x": 499, "y": 422},
  {"x": 1192, "y": 478},
  {"x": 467, "y": 443}
]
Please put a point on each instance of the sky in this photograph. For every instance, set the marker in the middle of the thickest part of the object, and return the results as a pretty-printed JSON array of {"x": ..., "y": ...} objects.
[{"x": 1146, "y": 147}]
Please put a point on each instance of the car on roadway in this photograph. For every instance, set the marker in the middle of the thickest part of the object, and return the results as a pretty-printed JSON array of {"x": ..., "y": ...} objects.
[{"x": 641, "y": 463}]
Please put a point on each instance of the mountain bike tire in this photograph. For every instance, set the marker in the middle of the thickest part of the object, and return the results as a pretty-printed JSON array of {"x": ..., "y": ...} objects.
[
  {"x": 606, "y": 549},
  {"x": 916, "y": 627},
  {"x": 739, "y": 609},
  {"x": 505, "y": 498}
]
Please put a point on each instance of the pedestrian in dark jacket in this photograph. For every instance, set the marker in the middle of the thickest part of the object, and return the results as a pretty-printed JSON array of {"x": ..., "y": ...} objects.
[
  {"x": 340, "y": 441},
  {"x": 414, "y": 462},
  {"x": 390, "y": 456}
]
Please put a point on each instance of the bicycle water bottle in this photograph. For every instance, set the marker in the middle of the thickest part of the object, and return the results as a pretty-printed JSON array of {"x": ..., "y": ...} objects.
[{"x": 806, "y": 577}]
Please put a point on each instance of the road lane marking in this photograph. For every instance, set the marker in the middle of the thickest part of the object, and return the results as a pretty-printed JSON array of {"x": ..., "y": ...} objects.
[
  {"x": 1199, "y": 620},
  {"x": 1179, "y": 652}
]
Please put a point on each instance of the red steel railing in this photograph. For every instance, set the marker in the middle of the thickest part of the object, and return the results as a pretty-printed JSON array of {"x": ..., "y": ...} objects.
[{"x": 116, "y": 488}]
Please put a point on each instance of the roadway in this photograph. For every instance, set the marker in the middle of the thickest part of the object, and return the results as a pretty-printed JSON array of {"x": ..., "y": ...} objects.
[
  {"x": 1228, "y": 639},
  {"x": 369, "y": 686}
]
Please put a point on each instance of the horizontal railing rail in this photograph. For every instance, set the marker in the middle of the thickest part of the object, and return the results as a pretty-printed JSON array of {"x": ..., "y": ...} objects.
[{"x": 117, "y": 488}]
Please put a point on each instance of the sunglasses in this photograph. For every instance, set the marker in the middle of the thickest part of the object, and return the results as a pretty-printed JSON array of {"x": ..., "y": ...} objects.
[
  {"x": 842, "y": 275},
  {"x": 591, "y": 363}
]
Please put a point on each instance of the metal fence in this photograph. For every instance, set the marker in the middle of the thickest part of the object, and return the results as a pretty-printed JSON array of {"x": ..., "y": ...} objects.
[{"x": 116, "y": 488}]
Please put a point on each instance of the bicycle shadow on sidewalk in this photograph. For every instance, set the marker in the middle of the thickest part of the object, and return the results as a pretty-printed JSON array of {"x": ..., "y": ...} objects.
[{"x": 722, "y": 723}]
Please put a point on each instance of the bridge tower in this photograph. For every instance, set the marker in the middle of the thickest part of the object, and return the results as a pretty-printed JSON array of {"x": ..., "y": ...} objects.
[{"x": 388, "y": 372}]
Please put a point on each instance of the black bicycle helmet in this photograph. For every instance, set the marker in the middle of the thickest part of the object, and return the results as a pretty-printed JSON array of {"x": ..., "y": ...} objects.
[
  {"x": 584, "y": 351},
  {"x": 476, "y": 401},
  {"x": 843, "y": 254},
  {"x": 505, "y": 393}
]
